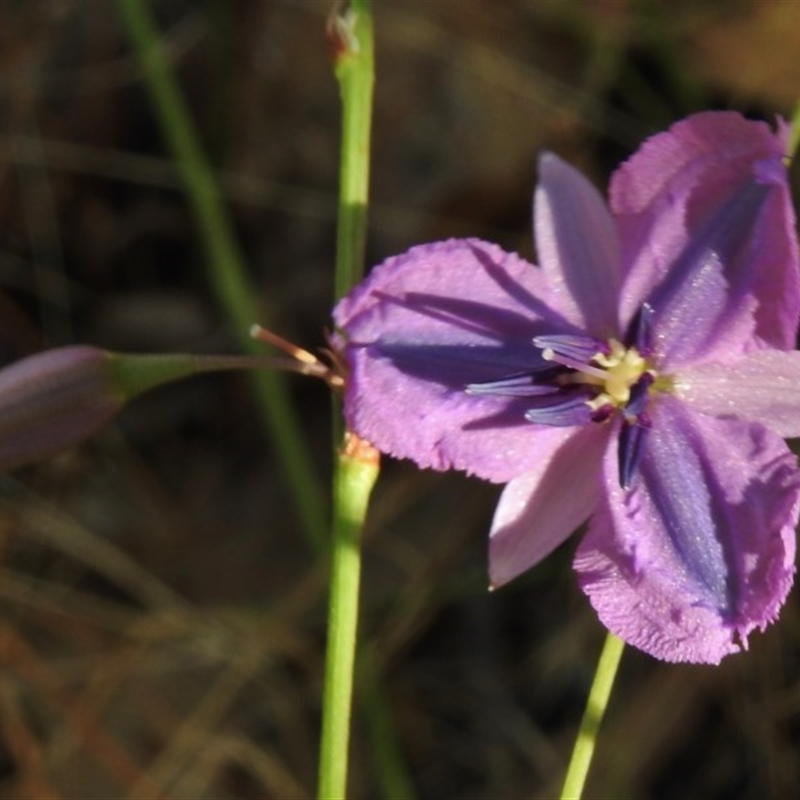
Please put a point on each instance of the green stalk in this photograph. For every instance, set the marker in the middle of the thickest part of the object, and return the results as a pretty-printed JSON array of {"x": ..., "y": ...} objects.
[
  {"x": 794, "y": 136},
  {"x": 592, "y": 718},
  {"x": 133, "y": 374},
  {"x": 356, "y": 472},
  {"x": 355, "y": 71},
  {"x": 226, "y": 263},
  {"x": 356, "y": 467}
]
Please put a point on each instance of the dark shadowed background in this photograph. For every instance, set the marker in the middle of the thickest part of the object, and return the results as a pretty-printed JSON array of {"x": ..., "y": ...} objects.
[{"x": 162, "y": 614}]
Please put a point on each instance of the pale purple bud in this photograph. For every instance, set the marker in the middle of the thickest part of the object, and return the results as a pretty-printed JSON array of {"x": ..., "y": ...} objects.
[
  {"x": 58, "y": 398},
  {"x": 53, "y": 400}
]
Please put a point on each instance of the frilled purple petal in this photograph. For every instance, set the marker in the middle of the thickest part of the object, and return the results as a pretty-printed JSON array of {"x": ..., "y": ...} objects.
[
  {"x": 540, "y": 509},
  {"x": 707, "y": 228},
  {"x": 701, "y": 551},
  {"x": 576, "y": 241},
  {"x": 426, "y": 325},
  {"x": 762, "y": 387}
]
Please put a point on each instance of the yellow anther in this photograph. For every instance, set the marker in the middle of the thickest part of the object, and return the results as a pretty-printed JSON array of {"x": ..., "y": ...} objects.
[
  {"x": 623, "y": 366},
  {"x": 616, "y": 353}
]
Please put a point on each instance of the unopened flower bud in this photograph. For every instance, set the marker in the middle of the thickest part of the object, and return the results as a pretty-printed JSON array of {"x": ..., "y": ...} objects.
[
  {"x": 53, "y": 400},
  {"x": 58, "y": 398}
]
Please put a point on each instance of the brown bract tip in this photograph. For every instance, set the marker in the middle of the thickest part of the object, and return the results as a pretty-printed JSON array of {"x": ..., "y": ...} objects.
[
  {"x": 341, "y": 32},
  {"x": 359, "y": 449},
  {"x": 305, "y": 363}
]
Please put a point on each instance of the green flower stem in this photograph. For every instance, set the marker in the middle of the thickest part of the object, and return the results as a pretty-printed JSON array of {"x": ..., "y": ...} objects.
[
  {"x": 357, "y": 465},
  {"x": 794, "y": 137},
  {"x": 133, "y": 374},
  {"x": 226, "y": 263},
  {"x": 355, "y": 71},
  {"x": 357, "y": 469},
  {"x": 592, "y": 718}
]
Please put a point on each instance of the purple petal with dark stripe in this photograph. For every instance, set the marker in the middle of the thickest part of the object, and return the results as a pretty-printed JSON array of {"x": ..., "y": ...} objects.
[
  {"x": 708, "y": 294},
  {"x": 701, "y": 550},
  {"x": 665, "y": 199},
  {"x": 426, "y": 324}
]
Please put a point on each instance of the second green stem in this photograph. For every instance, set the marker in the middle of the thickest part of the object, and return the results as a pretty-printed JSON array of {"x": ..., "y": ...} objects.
[{"x": 592, "y": 717}]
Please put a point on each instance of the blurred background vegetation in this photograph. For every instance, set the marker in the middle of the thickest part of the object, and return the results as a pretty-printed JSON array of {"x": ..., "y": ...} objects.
[{"x": 162, "y": 611}]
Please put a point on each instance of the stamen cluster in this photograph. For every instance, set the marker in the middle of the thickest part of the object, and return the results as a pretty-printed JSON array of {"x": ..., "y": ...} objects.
[
  {"x": 580, "y": 380},
  {"x": 623, "y": 367}
]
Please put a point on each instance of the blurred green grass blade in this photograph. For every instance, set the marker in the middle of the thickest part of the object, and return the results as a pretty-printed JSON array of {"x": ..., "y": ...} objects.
[
  {"x": 794, "y": 136},
  {"x": 389, "y": 760},
  {"x": 226, "y": 264}
]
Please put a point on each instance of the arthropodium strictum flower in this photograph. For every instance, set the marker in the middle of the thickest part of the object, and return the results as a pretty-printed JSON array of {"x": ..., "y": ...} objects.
[{"x": 642, "y": 378}]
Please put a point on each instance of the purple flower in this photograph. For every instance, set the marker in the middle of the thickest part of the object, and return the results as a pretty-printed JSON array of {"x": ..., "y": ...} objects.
[{"x": 642, "y": 378}]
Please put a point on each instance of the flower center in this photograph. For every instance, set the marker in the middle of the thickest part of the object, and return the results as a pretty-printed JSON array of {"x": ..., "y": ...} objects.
[
  {"x": 614, "y": 372},
  {"x": 622, "y": 367},
  {"x": 580, "y": 380},
  {"x": 615, "y": 379}
]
